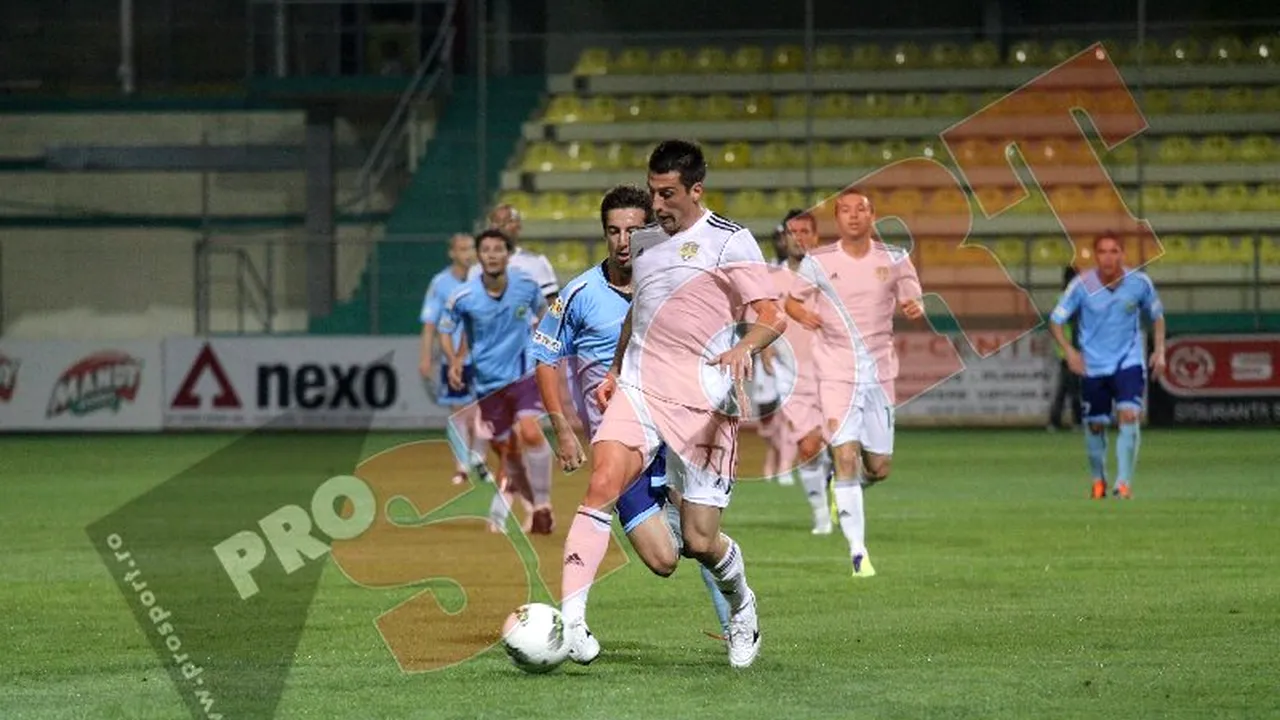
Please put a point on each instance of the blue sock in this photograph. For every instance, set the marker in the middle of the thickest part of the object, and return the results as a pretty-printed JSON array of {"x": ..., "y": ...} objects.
[
  {"x": 717, "y": 599},
  {"x": 1096, "y": 444},
  {"x": 1126, "y": 452}
]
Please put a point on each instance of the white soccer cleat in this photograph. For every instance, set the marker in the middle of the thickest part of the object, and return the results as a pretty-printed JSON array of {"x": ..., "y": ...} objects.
[
  {"x": 583, "y": 646},
  {"x": 744, "y": 635}
]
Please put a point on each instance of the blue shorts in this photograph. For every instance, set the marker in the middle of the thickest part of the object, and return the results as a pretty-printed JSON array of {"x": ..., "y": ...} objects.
[
  {"x": 447, "y": 396},
  {"x": 646, "y": 495},
  {"x": 1125, "y": 389}
]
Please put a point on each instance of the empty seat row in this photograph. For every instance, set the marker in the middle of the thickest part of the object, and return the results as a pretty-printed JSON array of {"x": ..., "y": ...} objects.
[
  {"x": 780, "y": 155},
  {"x": 790, "y": 58},
  {"x": 1065, "y": 199},
  {"x": 564, "y": 109}
]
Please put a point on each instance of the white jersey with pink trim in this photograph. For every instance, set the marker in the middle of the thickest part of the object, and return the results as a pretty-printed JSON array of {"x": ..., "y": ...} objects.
[{"x": 689, "y": 290}]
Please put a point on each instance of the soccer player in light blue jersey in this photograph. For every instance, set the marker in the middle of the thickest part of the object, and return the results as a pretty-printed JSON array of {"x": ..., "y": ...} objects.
[
  {"x": 494, "y": 312},
  {"x": 1112, "y": 301},
  {"x": 580, "y": 332},
  {"x": 469, "y": 448}
]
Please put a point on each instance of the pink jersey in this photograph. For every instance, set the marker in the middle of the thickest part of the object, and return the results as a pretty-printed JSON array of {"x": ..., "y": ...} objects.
[
  {"x": 798, "y": 338},
  {"x": 869, "y": 290}
]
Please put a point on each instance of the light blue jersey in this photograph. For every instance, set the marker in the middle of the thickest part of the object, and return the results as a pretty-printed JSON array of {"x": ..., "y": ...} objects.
[
  {"x": 582, "y": 326},
  {"x": 1111, "y": 337},
  {"x": 497, "y": 328},
  {"x": 442, "y": 286}
]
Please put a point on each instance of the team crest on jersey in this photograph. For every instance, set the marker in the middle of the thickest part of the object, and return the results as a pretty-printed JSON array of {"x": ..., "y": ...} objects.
[
  {"x": 882, "y": 273},
  {"x": 557, "y": 308},
  {"x": 688, "y": 250},
  {"x": 521, "y": 312}
]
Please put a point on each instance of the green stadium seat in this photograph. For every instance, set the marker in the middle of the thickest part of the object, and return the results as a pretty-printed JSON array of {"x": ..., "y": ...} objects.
[
  {"x": 641, "y": 108},
  {"x": 1063, "y": 50},
  {"x": 866, "y": 57},
  {"x": 1236, "y": 99},
  {"x": 946, "y": 56},
  {"x": 671, "y": 61},
  {"x": 1229, "y": 197},
  {"x": 1264, "y": 50},
  {"x": 871, "y": 105},
  {"x": 828, "y": 58},
  {"x": 787, "y": 59},
  {"x": 1184, "y": 51},
  {"x": 906, "y": 56},
  {"x": 748, "y": 59},
  {"x": 716, "y": 107},
  {"x": 1226, "y": 49},
  {"x": 758, "y": 106},
  {"x": 1026, "y": 53},
  {"x": 951, "y": 105},
  {"x": 1266, "y": 198},
  {"x": 1215, "y": 149},
  {"x": 795, "y": 106},
  {"x": 1190, "y": 197},
  {"x": 679, "y": 108},
  {"x": 733, "y": 156},
  {"x": 542, "y": 157},
  {"x": 913, "y": 105},
  {"x": 592, "y": 61},
  {"x": 777, "y": 155},
  {"x": 1156, "y": 101},
  {"x": 1268, "y": 100},
  {"x": 1197, "y": 101},
  {"x": 709, "y": 61},
  {"x": 983, "y": 55},
  {"x": 1255, "y": 149},
  {"x": 580, "y": 156},
  {"x": 631, "y": 61}
]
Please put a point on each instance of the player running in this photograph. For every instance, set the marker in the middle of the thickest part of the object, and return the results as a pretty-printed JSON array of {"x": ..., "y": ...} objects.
[
  {"x": 677, "y": 380},
  {"x": 468, "y": 445},
  {"x": 494, "y": 312},
  {"x": 506, "y": 218},
  {"x": 581, "y": 330},
  {"x": 1111, "y": 300},
  {"x": 871, "y": 280}
]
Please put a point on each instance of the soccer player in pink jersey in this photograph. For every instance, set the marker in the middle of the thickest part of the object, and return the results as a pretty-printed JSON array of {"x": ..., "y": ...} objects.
[
  {"x": 872, "y": 281},
  {"x": 677, "y": 378}
]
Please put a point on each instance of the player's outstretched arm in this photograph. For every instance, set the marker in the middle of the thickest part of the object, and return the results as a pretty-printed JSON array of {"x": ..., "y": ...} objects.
[{"x": 768, "y": 327}]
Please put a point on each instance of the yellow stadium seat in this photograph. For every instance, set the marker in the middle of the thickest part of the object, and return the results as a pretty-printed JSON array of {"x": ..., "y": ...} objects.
[
  {"x": 1226, "y": 49},
  {"x": 1191, "y": 197},
  {"x": 747, "y": 204},
  {"x": 1222, "y": 250},
  {"x": 1011, "y": 251},
  {"x": 570, "y": 257},
  {"x": 600, "y": 109},
  {"x": 952, "y": 105},
  {"x": 913, "y": 105},
  {"x": 747, "y": 59},
  {"x": 714, "y": 200},
  {"x": 734, "y": 156},
  {"x": 709, "y": 60},
  {"x": 890, "y": 151},
  {"x": 758, "y": 106},
  {"x": 1184, "y": 51},
  {"x": 563, "y": 109},
  {"x": 1255, "y": 149},
  {"x": 866, "y": 57},
  {"x": 834, "y": 106},
  {"x": 1264, "y": 50},
  {"x": 1269, "y": 250},
  {"x": 715, "y": 107},
  {"x": 1051, "y": 151},
  {"x": 1154, "y": 199},
  {"x": 850, "y": 154},
  {"x": 982, "y": 55},
  {"x": 946, "y": 201},
  {"x": 787, "y": 59},
  {"x": 1266, "y": 198},
  {"x": 1026, "y": 53},
  {"x": 680, "y": 108},
  {"x": 1149, "y": 50},
  {"x": 1068, "y": 199},
  {"x": 1116, "y": 51},
  {"x": 1268, "y": 100},
  {"x": 542, "y": 157},
  {"x": 1035, "y": 203},
  {"x": 641, "y": 108},
  {"x": 1178, "y": 249},
  {"x": 795, "y": 106},
  {"x": 1156, "y": 101},
  {"x": 592, "y": 61},
  {"x": 868, "y": 105},
  {"x": 584, "y": 206},
  {"x": 631, "y": 61},
  {"x": 550, "y": 206},
  {"x": 819, "y": 199},
  {"x": 640, "y": 155},
  {"x": 1215, "y": 149},
  {"x": 946, "y": 56},
  {"x": 671, "y": 61},
  {"x": 1126, "y": 153},
  {"x": 1229, "y": 197},
  {"x": 991, "y": 199},
  {"x": 1236, "y": 99},
  {"x": 1054, "y": 250},
  {"x": 616, "y": 156},
  {"x": 934, "y": 149},
  {"x": 1196, "y": 101},
  {"x": 906, "y": 55},
  {"x": 903, "y": 202},
  {"x": 515, "y": 198},
  {"x": 1175, "y": 150},
  {"x": 778, "y": 155},
  {"x": 580, "y": 156},
  {"x": 1063, "y": 50},
  {"x": 977, "y": 152},
  {"x": 828, "y": 58},
  {"x": 1103, "y": 199},
  {"x": 788, "y": 199}
]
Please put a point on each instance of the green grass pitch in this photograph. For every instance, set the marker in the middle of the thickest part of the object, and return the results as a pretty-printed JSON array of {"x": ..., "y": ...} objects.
[{"x": 1002, "y": 593}]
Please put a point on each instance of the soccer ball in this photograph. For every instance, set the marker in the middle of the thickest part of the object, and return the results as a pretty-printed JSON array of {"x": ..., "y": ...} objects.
[{"x": 533, "y": 637}]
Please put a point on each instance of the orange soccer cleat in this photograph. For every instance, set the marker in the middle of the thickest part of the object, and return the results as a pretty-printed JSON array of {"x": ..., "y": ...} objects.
[
  {"x": 1099, "y": 489},
  {"x": 1122, "y": 492}
]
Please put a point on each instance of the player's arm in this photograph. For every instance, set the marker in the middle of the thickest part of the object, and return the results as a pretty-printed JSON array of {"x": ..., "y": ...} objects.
[
  {"x": 749, "y": 281},
  {"x": 1155, "y": 311},
  {"x": 453, "y": 354},
  {"x": 429, "y": 317},
  {"x": 910, "y": 294},
  {"x": 1061, "y": 315},
  {"x": 803, "y": 287},
  {"x": 604, "y": 393},
  {"x": 552, "y": 342}
]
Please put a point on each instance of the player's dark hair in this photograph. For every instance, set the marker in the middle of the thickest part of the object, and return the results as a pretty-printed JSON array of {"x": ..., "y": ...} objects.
[
  {"x": 1108, "y": 235},
  {"x": 798, "y": 213},
  {"x": 495, "y": 233},
  {"x": 855, "y": 190},
  {"x": 626, "y": 197},
  {"x": 679, "y": 156}
]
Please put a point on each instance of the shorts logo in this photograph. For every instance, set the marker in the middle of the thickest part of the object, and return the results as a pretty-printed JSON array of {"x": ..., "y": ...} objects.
[
  {"x": 882, "y": 273},
  {"x": 688, "y": 250},
  {"x": 1192, "y": 366}
]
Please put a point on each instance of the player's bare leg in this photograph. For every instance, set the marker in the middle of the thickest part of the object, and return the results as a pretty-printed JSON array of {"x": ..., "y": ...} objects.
[
  {"x": 876, "y": 467},
  {"x": 721, "y": 556},
  {"x": 535, "y": 456},
  {"x": 513, "y": 485},
  {"x": 1127, "y": 442},
  {"x": 613, "y": 465},
  {"x": 814, "y": 469},
  {"x": 1095, "y": 436},
  {"x": 849, "y": 505}
]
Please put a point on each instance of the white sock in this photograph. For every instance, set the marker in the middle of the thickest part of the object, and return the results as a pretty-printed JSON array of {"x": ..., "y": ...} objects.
[
  {"x": 499, "y": 510},
  {"x": 813, "y": 477},
  {"x": 731, "y": 577},
  {"x": 853, "y": 521}
]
